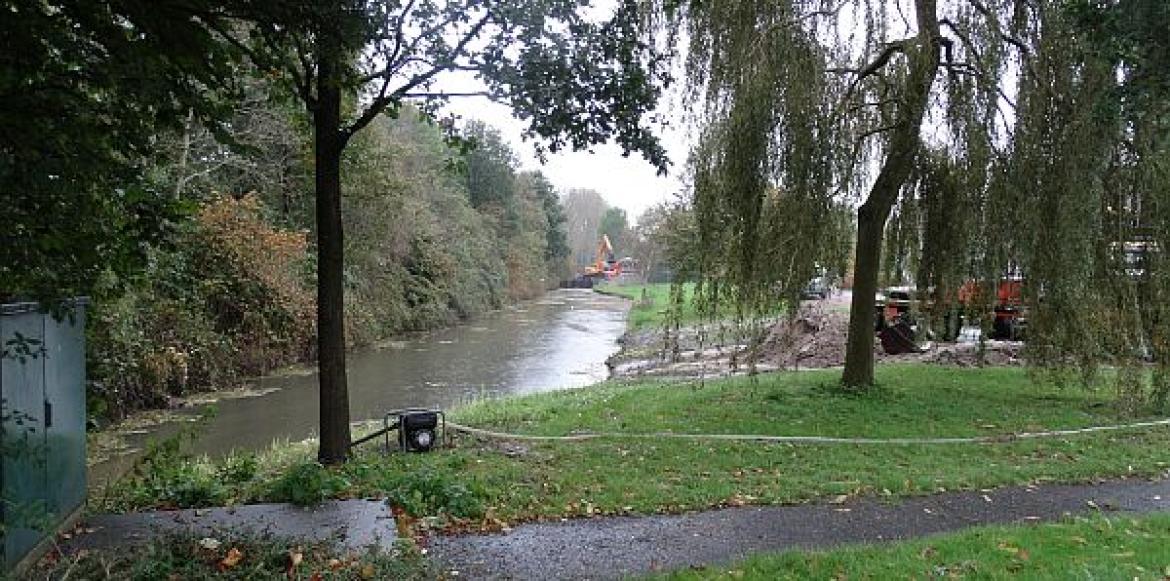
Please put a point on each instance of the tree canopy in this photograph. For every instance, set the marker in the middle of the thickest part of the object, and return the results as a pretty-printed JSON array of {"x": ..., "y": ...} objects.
[
  {"x": 86, "y": 88},
  {"x": 93, "y": 82}
]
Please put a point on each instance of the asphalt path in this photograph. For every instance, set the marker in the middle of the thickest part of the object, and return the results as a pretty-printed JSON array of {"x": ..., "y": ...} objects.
[{"x": 618, "y": 547}]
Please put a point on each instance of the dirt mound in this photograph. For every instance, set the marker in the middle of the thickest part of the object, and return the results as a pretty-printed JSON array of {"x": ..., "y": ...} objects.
[{"x": 814, "y": 338}]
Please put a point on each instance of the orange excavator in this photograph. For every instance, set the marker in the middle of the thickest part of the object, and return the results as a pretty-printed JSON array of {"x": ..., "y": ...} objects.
[
  {"x": 898, "y": 304},
  {"x": 606, "y": 266}
]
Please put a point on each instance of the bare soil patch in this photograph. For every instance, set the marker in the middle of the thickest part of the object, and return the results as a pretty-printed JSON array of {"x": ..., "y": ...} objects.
[{"x": 814, "y": 338}]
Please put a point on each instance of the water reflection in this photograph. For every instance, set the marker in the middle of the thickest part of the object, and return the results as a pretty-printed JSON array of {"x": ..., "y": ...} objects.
[{"x": 560, "y": 341}]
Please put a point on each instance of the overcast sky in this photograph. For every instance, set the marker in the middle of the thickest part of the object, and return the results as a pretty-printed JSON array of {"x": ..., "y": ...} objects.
[{"x": 629, "y": 183}]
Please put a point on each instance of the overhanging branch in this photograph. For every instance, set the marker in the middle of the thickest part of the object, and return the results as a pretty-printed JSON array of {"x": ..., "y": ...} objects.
[
  {"x": 384, "y": 100},
  {"x": 447, "y": 95}
]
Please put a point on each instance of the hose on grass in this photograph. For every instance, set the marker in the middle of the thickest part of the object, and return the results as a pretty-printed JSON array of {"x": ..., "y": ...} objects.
[{"x": 998, "y": 439}]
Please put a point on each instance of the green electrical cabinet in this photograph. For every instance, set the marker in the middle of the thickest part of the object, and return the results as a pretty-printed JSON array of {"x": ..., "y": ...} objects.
[{"x": 42, "y": 397}]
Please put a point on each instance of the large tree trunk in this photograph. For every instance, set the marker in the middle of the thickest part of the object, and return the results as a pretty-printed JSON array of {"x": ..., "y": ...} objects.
[
  {"x": 923, "y": 60},
  {"x": 334, "y": 395},
  {"x": 859, "y": 349}
]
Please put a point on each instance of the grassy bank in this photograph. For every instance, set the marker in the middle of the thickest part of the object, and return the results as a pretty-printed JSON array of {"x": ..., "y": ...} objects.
[
  {"x": 484, "y": 482},
  {"x": 651, "y": 302},
  {"x": 1084, "y": 548}
]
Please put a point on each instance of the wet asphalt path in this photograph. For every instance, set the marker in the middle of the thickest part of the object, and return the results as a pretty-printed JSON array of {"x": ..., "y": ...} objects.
[{"x": 617, "y": 547}]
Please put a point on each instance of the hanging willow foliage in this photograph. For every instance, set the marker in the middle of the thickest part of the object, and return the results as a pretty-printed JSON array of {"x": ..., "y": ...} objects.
[
  {"x": 1088, "y": 185},
  {"x": 801, "y": 99},
  {"x": 1045, "y": 152},
  {"x": 765, "y": 212}
]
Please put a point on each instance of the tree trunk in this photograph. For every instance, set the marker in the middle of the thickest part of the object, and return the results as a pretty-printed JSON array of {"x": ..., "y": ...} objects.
[
  {"x": 859, "y": 349},
  {"x": 923, "y": 62},
  {"x": 334, "y": 395}
]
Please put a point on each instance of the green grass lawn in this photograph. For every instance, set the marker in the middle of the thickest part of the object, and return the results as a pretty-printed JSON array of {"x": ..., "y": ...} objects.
[
  {"x": 543, "y": 480},
  {"x": 1083, "y": 548},
  {"x": 652, "y": 302},
  {"x": 911, "y": 400}
]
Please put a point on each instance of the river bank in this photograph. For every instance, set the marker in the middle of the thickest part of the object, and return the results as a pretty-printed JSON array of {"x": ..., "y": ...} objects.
[
  {"x": 668, "y": 447},
  {"x": 560, "y": 340},
  {"x": 894, "y": 442}
]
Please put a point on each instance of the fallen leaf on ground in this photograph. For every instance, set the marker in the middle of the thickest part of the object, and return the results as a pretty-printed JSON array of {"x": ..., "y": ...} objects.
[
  {"x": 209, "y": 543},
  {"x": 294, "y": 559},
  {"x": 232, "y": 559}
]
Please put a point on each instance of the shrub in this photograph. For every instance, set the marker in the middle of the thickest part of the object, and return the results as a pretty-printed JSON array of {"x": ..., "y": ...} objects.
[
  {"x": 426, "y": 492},
  {"x": 228, "y": 299},
  {"x": 166, "y": 476},
  {"x": 307, "y": 484}
]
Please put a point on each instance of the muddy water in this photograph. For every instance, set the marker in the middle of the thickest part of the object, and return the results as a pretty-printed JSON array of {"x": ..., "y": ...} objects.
[{"x": 559, "y": 341}]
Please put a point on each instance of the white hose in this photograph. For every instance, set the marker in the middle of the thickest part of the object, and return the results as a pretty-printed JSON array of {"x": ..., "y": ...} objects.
[{"x": 809, "y": 439}]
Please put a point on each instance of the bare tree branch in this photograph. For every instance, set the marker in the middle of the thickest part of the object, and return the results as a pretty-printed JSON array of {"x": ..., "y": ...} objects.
[
  {"x": 384, "y": 100},
  {"x": 447, "y": 95},
  {"x": 876, "y": 130},
  {"x": 398, "y": 32},
  {"x": 884, "y": 57}
]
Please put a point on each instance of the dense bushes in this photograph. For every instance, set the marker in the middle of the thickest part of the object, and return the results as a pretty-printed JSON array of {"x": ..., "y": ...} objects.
[
  {"x": 232, "y": 293},
  {"x": 228, "y": 299}
]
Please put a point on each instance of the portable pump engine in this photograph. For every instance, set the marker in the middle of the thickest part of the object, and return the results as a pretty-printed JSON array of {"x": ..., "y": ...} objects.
[{"x": 418, "y": 429}]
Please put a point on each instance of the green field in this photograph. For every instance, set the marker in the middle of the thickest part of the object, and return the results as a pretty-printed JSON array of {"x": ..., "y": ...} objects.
[{"x": 651, "y": 302}]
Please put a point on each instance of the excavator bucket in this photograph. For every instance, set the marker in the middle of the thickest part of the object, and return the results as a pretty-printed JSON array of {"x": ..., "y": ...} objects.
[{"x": 898, "y": 339}]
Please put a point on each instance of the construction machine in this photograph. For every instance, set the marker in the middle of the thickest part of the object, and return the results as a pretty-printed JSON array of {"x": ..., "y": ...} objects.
[
  {"x": 1009, "y": 311},
  {"x": 606, "y": 267}
]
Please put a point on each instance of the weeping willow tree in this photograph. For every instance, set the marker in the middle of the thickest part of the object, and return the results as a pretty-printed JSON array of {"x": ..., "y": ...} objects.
[
  {"x": 1088, "y": 184},
  {"x": 812, "y": 105},
  {"x": 1000, "y": 135}
]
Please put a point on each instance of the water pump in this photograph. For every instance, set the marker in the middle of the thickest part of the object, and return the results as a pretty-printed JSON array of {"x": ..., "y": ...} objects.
[{"x": 418, "y": 428}]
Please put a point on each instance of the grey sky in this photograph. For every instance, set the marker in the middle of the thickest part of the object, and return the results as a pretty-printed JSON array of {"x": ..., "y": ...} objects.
[{"x": 629, "y": 183}]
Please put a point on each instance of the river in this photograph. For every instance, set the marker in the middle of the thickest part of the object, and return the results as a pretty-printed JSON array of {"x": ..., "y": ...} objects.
[{"x": 556, "y": 342}]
